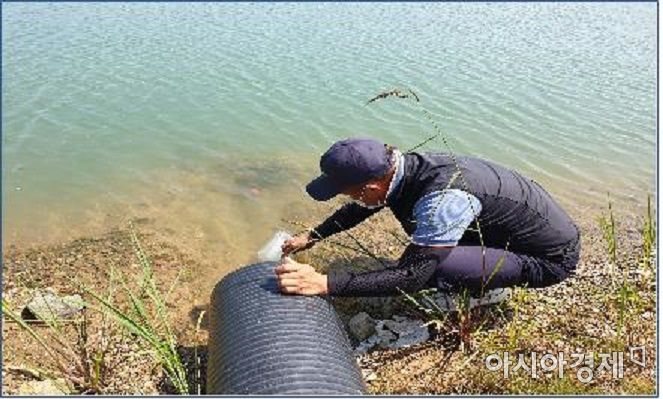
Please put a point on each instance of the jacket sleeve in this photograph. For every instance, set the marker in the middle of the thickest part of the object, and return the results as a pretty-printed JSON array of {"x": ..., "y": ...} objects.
[
  {"x": 415, "y": 268},
  {"x": 347, "y": 217}
]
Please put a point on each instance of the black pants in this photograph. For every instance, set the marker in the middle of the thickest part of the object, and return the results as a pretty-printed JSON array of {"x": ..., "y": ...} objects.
[{"x": 466, "y": 268}]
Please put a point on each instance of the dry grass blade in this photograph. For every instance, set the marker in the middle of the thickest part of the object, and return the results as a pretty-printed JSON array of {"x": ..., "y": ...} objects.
[
  {"x": 648, "y": 236},
  {"x": 154, "y": 331},
  {"x": 362, "y": 247},
  {"x": 496, "y": 269},
  {"x": 167, "y": 357},
  {"x": 394, "y": 93},
  {"x": 195, "y": 353}
]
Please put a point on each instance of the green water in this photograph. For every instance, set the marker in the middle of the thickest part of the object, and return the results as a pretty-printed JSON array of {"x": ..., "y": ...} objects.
[{"x": 209, "y": 118}]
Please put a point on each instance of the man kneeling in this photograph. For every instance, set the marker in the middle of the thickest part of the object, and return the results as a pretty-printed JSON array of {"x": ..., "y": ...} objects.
[{"x": 474, "y": 225}]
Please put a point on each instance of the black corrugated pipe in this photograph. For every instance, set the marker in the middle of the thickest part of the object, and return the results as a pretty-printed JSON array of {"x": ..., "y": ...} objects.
[{"x": 265, "y": 342}]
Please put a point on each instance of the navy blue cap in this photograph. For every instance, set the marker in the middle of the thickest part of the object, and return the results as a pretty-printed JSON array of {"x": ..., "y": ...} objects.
[{"x": 348, "y": 163}]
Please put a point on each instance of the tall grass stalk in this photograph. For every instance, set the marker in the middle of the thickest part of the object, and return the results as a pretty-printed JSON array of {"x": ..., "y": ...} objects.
[
  {"x": 608, "y": 227},
  {"x": 466, "y": 316},
  {"x": 648, "y": 236},
  {"x": 431, "y": 309},
  {"x": 153, "y": 329},
  {"x": 628, "y": 300},
  {"x": 196, "y": 355},
  {"x": 438, "y": 134},
  {"x": 498, "y": 266},
  {"x": 464, "y": 321},
  {"x": 465, "y": 313}
]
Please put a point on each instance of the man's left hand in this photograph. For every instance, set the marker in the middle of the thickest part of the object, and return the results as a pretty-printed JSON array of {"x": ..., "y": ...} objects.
[{"x": 300, "y": 278}]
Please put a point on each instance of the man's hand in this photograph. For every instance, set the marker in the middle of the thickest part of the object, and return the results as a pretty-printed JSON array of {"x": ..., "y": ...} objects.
[
  {"x": 297, "y": 243},
  {"x": 300, "y": 278}
]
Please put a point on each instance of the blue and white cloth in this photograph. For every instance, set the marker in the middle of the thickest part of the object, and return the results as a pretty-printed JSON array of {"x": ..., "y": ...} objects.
[
  {"x": 396, "y": 180},
  {"x": 443, "y": 216}
]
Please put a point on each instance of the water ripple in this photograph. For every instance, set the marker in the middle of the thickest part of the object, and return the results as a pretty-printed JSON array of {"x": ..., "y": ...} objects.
[{"x": 98, "y": 97}]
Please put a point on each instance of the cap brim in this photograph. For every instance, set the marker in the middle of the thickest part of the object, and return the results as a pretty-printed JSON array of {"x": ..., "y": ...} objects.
[{"x": 322, "y": 188}]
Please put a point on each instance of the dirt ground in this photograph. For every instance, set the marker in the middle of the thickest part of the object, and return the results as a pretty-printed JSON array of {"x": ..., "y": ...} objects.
[{"x": 595, "y": 311}]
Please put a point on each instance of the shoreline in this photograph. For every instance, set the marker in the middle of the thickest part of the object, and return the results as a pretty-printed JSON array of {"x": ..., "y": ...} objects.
[
  {"x": 231, "y": 190},
  {"x": 304, "y": 208}
]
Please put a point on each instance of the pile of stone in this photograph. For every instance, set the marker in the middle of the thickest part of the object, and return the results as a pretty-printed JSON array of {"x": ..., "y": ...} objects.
[{"x": 394, "y": 333}]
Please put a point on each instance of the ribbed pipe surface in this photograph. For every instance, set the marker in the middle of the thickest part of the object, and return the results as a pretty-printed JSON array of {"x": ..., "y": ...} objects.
[{"x": 265, "y": 342}]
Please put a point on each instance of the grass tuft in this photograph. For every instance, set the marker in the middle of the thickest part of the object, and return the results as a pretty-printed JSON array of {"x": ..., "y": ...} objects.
[{"x": 152, "y": 327}]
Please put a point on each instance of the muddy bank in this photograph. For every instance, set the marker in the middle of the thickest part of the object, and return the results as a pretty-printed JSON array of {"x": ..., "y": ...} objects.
[{"x": 583, "y": 314}]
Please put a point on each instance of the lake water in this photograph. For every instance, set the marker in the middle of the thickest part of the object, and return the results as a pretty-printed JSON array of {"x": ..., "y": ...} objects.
[{"x": 209, "y": 118}]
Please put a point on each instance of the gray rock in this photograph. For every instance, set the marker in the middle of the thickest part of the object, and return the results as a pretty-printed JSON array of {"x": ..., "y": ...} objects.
[
  {"x": 47, "y": 306},
  {"x": 384, "y": 336},
  {"x": 398, "y": 326},
  {"x": 415, "y": 336},
  {"x": 366, "y": 345},
  {"x": 399, "y": 332},
  {"x": 410, "y": 332},
  {"x": 361, "y": 326}
]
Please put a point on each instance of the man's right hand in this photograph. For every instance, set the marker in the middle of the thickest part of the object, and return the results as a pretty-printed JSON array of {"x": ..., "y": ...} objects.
[{"x": 297, "y": 243}]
